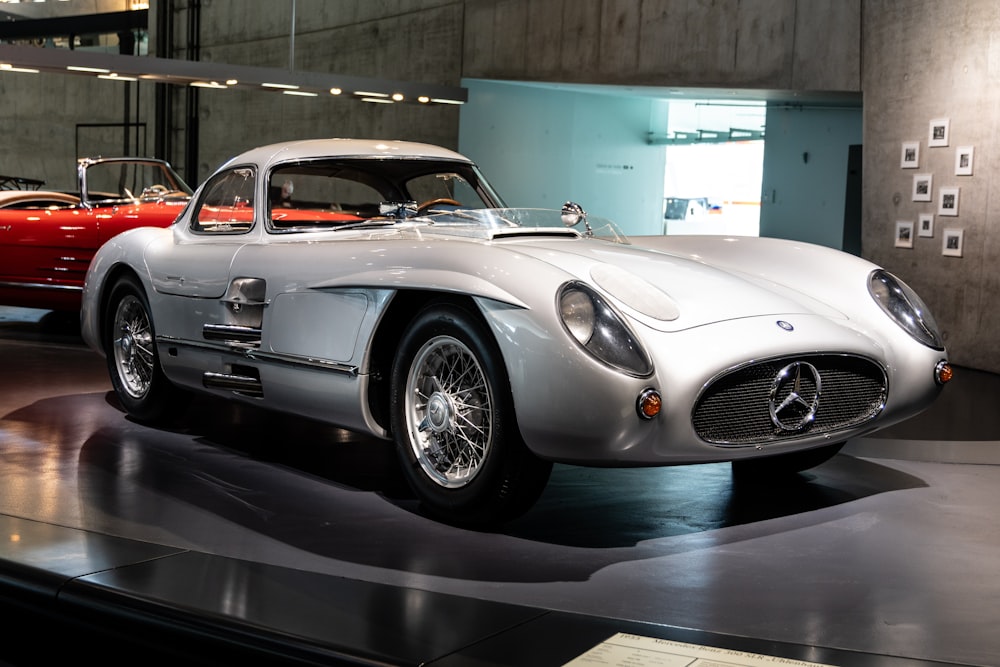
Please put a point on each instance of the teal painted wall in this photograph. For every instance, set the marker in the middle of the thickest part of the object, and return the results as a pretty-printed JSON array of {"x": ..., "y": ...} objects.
[
  {"x": 803, "y": 198},
  {"x": 542, "y": 146}
]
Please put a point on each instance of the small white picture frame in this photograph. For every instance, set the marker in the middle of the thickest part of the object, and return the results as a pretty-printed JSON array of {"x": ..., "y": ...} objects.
[
  {"x": 904, "y": 233},
  {"x": 951, "y": 245},
  {"x": 938, "y": 132},
  {"x": 948, "y": 202},
  {"x": 925, "y": 225},
  {"x": 923, "y": 187},
  {"x": 963, "y": 160},
  {"x": 910, "y": 158}
]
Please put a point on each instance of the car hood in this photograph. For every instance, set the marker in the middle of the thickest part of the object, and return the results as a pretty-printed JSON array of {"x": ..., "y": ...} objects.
[{"x": 671, "y": 292}]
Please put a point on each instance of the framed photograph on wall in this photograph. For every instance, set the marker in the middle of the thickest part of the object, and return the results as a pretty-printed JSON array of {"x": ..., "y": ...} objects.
[
  {"x": 922, "y": 184},
  {"x": 951, "y": 246},
  {"x": 910, "y": 158},
  {"x": 904, "y": 233},
  {"x": 925, "y": 225},
  {"x": 963, "y": 161},
  {"x": 948, "y": 204},
  {"x": 938, "y": 133}
]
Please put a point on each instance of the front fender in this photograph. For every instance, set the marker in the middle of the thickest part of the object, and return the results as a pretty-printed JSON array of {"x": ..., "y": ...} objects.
[
  {"x": 125, "y": 249},
  {"x": 436, "y": 280}
]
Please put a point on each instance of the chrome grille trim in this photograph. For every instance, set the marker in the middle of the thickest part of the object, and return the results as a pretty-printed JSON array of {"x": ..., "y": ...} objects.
[{"x": 732, "y": 408}]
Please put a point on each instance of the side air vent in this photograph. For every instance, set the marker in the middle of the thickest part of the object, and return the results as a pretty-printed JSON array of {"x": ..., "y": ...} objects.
[{"x": 242, "y": 380}]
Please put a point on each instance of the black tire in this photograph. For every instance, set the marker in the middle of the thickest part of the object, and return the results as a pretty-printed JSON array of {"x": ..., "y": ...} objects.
[
  {"x": 453, "y": 422},
  {"x": 133, "y": 362},
  {"x": 783, "y": 465}
]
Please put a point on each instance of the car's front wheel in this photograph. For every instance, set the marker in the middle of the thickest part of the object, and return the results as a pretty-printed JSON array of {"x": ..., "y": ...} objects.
[
  {"x": 454, "y": 425},
  {"x": 130, "y": 348}
]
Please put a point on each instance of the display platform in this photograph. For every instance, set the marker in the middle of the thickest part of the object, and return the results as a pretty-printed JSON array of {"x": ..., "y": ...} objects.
[{"x": 237, "y": 534}]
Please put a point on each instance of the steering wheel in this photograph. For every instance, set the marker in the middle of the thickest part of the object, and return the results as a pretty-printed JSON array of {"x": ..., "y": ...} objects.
[
  {"x": 434, "y": 202},
  {"x": 154, "y": 191}
]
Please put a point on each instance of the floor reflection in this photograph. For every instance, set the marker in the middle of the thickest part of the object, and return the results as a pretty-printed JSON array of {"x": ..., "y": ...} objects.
[{"x": 340, "y": 496}]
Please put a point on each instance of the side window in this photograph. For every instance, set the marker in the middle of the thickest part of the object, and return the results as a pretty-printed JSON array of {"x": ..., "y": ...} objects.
[
  {"x": 312, "y": 196},
  {"x": 226, "y": 204}
]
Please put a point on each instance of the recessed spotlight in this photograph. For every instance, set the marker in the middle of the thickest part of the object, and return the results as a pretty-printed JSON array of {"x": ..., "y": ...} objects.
[
  {"x": 7, "y": 67},
  {"x": 336, "y": 91},
  {"x": 114, "y": 76},
  {"x": 95, "y": 70}
]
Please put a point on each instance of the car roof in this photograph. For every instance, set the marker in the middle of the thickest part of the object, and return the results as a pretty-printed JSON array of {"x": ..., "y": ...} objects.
[{"x": 319, "y": 148}]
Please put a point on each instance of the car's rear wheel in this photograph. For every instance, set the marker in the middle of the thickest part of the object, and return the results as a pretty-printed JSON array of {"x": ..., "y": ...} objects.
[
  {"x": 783, "y": 465},
  {"x": 133, "y": 362},
  {"x": 454, "y": 425}
]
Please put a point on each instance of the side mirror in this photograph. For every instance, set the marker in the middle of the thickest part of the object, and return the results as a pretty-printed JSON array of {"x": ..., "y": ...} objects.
[{"x": 573, "y": 214}]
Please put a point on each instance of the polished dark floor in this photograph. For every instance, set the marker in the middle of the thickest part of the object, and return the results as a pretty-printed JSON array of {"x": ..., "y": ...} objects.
[{"x": 239, "y": 533}]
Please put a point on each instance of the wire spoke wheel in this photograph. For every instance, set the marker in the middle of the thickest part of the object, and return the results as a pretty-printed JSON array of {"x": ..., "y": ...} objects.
[
  {"x": 133, "y": 351},
  {"x": 453, "y": 420},
  {"x": 129, "y": 340},
  {"x": 449, "y": 412}
]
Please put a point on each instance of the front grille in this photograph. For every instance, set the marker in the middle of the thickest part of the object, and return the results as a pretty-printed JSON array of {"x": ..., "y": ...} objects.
[{"x": 734, "y": 408}]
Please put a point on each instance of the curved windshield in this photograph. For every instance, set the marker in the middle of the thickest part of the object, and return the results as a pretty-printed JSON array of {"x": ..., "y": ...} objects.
[
  {"x": 330, "y": 192},
  {"x": 115, "y": 181}
]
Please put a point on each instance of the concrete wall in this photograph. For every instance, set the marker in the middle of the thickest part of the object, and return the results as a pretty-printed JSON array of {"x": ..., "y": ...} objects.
[
  {"x": 410, "y": 40},
  {"x": 782, "y": 44},
  {"x": 42, "y": 117},
  {"x": 926, "y": 60},
  {"x": 776, "y": 44}
]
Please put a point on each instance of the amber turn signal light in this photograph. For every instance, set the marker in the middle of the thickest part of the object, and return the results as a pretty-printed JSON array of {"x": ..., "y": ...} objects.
[
  {"x": 649, "y": 403},
  {"x": 943, "y": 372}
]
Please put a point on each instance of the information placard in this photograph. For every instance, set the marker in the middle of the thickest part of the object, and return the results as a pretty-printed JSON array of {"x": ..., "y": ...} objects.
[{"x": 627, "y": 650}]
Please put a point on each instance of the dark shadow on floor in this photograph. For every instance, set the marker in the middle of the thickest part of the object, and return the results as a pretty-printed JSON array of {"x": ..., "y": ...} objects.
[
  {"x": 340, "y": 496},
  {"x": 47, "y": 326}
]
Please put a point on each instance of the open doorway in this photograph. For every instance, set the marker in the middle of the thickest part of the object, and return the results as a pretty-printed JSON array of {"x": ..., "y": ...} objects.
[{"x": 714, "y": 168}]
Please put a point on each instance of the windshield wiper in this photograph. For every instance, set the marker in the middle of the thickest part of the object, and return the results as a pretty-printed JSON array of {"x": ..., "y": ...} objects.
[{"x": 372, "y": 222}]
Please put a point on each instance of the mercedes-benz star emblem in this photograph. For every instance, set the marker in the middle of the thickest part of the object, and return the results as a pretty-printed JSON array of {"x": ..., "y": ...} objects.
[{"x": 794, "y": 396}]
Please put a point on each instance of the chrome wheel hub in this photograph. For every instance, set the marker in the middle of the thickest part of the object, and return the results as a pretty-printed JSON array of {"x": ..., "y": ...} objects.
[{"x": 439, "y": 413}]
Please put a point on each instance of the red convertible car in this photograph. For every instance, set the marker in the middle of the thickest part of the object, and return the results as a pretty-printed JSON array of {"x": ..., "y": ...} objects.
[{"x": 48, "y": 238}]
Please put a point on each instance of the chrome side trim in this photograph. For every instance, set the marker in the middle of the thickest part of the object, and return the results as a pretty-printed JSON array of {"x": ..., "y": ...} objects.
[
  {"x": 68, "y": 288},
  {"x": 265, "y": 357},
  {"x": 231, "y": 332},
  {"x": 239, "y": 383}
]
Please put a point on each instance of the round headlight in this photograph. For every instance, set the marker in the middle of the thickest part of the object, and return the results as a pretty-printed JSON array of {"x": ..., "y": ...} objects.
[
  {"x": 577, "y": 312},
  {"x": 601, "y": 331},
  {"x": 905, "y": 308}
]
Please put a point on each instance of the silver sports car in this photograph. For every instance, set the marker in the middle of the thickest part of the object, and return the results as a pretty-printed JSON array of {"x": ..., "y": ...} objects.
[{"x": 385, "y": 288}]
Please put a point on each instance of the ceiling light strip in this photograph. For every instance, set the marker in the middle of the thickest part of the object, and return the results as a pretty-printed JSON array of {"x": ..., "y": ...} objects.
[{"x": 19, "y": 58}]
